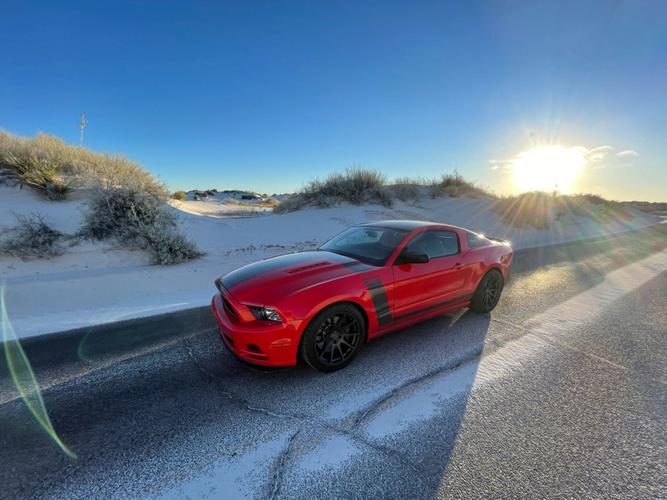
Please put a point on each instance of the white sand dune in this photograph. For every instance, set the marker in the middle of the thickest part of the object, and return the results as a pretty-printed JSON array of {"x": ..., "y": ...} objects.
[{"x": 98, "y": 282}]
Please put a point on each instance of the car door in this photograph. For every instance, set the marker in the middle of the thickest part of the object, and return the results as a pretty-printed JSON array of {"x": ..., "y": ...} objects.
[{"x": 419, "y": 287}]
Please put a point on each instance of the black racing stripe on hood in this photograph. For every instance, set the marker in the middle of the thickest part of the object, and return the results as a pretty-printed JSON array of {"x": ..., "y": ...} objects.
[
  {"x": 354, "y": 264},
  {"x": 245, "y": 273},
  {"x": 299, "y": 261},
  {"x": 380, "y": 301}
]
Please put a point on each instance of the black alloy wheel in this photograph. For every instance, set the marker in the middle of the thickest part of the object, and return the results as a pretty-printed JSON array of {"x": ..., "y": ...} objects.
[
  {"x": 333, "y": 337},
  {"x": 488, "y": 292},
  {"x": 492, "y": 291}
]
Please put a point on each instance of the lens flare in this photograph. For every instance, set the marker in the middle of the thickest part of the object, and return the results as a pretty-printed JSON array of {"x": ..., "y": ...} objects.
[
  {"x": 24, "y": 378},
  {"x": 548, "y": 168}
]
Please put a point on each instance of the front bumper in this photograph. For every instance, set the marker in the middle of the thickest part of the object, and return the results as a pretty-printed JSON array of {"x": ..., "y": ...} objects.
[{"x": 259, "y": 342}]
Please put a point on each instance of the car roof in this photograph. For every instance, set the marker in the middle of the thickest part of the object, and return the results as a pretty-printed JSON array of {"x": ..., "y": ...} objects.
[{"x": 407, "y": 225}]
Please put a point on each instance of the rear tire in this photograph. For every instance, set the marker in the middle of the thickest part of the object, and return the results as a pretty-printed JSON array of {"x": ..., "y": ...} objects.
[
  {"x": 333, "y": 338},
  {"x": 488, "y": 292}
]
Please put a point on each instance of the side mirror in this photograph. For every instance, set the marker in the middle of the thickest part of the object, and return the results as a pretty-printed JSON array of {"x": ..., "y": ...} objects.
[{"x": 413, "y": 258}]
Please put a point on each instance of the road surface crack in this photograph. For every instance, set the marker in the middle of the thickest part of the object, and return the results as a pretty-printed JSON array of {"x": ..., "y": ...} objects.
[
  {"x": 211, "y": 377},
  {"x": 449, "y": 367},
  {"x": 280, "y": 466}
]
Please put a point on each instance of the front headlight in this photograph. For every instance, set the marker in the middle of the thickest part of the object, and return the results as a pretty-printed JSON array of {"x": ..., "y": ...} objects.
[{"x": 266, "y": 313}]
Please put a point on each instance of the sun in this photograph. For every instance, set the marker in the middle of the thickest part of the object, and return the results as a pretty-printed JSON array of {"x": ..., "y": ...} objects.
[{"x": 548, "y": 168}]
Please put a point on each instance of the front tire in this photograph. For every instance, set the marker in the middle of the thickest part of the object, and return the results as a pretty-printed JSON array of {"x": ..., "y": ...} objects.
[
  {"x": 488, "y": 292},
  {"x": 333, "y": 338}
]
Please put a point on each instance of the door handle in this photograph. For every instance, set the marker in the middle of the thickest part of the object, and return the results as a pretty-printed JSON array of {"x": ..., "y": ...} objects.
[{"x": 458, "y": 265}]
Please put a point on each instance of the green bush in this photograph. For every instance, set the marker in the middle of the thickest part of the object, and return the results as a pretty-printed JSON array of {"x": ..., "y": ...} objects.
[{"x": 180, "y": 195}]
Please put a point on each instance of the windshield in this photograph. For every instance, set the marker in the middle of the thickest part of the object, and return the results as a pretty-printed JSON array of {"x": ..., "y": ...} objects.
[{"x": 373, "y": 245}]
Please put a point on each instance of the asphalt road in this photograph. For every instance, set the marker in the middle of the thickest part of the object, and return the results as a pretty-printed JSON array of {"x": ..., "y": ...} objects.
[{"x": 559, "y": 392}]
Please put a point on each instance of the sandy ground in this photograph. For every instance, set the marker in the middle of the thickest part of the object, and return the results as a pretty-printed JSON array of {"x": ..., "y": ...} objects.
[{"x": 95, "y": 283}]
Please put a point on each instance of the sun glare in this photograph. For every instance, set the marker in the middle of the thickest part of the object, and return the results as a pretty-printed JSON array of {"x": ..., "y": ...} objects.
[{"x": 548, "y": 168}]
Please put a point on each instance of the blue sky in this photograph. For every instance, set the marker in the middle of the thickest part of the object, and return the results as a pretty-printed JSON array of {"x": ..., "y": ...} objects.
[{"x": 268, "y": 95}]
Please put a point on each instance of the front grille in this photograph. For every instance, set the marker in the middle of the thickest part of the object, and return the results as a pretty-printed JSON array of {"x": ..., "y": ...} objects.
[{"x": 228, "y": 307}]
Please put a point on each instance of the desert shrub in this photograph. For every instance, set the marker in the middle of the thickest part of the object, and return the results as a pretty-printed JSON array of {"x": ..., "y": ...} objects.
[
  {"x": 354, "y": 185},
  {"x": 165, "y": 244},
  {"x": 32, "y": 238},
  {"x": 405, "y": 188},
  {"x": 54, "y": 168},
  {"x": 290, "y": 204},
  {"x": 539, "y": 209},
  {"x": 525, "y": 209},
  {"x": 651, "y": 207},
  {"x": 456, "y": 185},
  {"x": 599, "y": 209},
  {"x": 113, "y": 212},
  {"x": 137, "y": 220},
  {"x": 180, "y": 195},
  {"x": 358, "y": 186}
]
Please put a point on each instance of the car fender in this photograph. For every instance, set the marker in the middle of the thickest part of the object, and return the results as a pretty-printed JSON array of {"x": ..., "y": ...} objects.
[
  {"x": 485, "y": 260},
  {"x": 494, "y": 260},
  {"x": 307, "y": 303}
]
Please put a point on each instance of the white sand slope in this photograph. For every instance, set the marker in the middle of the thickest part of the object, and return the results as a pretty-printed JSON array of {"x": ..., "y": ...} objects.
[{"x": 95, "y": 283}]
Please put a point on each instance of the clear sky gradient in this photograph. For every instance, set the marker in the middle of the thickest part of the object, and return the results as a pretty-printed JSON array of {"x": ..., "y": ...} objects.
[{"x": 269, "y": 95}]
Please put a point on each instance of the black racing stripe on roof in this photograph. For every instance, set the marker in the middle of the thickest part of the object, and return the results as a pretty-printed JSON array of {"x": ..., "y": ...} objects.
[
  {"x": 380, "y": 301},
  {"x": 405, "y": 225}
]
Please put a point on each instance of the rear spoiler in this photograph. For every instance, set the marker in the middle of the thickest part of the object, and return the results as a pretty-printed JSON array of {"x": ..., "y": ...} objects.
[{"x": 497, "y": 240}]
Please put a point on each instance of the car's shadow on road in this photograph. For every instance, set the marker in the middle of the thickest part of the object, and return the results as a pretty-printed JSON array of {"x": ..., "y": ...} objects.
[{"x": 392, "y": 398}]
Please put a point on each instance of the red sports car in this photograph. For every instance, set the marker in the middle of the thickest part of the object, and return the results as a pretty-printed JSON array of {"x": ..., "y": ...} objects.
[{"x": 322, "y": 305}]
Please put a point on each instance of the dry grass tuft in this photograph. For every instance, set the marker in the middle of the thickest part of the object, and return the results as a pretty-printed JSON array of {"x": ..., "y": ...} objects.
[
  {"x": 407, "y": 188},
  {"x": 456, "y": 185},
  {"x": 355, "y": 186},
  {"x": 54, "y": 168},
  {"x": 540, "y": 209},
  {"x": 358, "y": 186}
]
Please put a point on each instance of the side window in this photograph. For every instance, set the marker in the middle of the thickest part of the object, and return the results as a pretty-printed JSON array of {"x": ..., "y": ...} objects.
[
  {"x": 476, "y": 241},
  {"x": 434, "y": 244}
]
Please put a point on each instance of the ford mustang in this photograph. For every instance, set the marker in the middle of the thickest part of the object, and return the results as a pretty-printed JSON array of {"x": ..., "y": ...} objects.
[{"x": 322, "y": 305}]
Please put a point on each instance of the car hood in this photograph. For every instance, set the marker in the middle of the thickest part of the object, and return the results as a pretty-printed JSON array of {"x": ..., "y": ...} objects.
[{"x": 266, "y": 281}]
